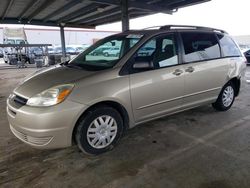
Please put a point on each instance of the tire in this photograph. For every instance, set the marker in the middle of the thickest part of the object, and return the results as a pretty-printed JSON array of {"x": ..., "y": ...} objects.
[
  {"x": 94, "y": 144},
  {"x": 226, "y": 105}
]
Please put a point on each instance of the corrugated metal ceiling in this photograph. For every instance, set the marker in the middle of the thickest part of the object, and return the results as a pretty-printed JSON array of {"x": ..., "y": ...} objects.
[{"x": 82, "y": 13}]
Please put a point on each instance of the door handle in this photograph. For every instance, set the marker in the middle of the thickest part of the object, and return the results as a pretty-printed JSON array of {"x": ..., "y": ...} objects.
[
  {"x": 177, "y": 72},
  {"x": 190, "y": 69}
]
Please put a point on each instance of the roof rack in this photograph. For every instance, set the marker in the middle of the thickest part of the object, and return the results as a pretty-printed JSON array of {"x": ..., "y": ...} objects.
[
  {"x": 153, "y": 27},
  {"x": 169, "y": 27}
]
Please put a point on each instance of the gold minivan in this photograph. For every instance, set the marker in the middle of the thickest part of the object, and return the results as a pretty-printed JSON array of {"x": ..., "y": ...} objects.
[{"x": 93, "y": 99}]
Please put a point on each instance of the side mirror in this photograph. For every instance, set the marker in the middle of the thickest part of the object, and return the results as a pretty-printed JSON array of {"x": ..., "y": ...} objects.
[{"x": 143, "y": 65}]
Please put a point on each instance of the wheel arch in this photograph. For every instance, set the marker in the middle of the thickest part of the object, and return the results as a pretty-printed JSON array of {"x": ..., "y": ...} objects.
[
  {"x": 117, "y": 106},
  {"x": 237, "y": 83}
]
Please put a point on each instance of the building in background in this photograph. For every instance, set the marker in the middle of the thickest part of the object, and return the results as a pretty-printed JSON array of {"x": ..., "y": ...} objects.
[
  {"x": 52, "y": 36},
  {"x": 243, "y": 41}
]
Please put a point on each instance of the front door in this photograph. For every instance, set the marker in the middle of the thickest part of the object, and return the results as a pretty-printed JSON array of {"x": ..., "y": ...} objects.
[{"x": 157, "y": 91}]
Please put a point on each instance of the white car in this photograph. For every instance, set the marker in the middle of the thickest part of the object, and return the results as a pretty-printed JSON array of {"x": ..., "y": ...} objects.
[{"x": 113, "y": 51}]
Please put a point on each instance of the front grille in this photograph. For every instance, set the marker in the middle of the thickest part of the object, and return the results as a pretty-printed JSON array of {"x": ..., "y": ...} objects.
[{"x": 20, "y": 100}]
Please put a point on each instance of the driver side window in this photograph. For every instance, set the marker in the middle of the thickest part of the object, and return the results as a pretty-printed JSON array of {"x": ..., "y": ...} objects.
[{"x": 160, "y": 51}]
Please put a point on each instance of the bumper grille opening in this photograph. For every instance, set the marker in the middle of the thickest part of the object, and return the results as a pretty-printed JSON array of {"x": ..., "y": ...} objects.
[
  {"x": 12, "y": 112},
  {"x": 39, "y": 141}
]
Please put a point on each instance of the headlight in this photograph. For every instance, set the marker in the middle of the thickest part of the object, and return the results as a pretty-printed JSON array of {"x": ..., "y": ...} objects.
[{"x": 51, "y": 96}]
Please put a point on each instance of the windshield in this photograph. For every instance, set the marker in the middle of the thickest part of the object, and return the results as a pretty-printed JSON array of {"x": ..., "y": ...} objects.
[
  {"x": 19, "y": 41},
  {"x": 11, "y": 41},
  {"x": 106, "y": 53}
]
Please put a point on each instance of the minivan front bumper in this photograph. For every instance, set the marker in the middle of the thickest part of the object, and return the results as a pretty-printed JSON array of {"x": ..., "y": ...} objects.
[{"x": 44, "y": 127}]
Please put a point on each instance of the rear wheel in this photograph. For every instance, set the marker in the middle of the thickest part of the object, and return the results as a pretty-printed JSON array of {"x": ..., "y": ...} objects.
[
  {"x": 226, "y": 98},
  {"x": 99, "y": 130}
]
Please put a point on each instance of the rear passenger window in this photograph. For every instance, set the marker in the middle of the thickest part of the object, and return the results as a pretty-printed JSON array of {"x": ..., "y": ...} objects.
[
  {"x": 200, "y": 46},
  {"x": 228, "y": 46}
]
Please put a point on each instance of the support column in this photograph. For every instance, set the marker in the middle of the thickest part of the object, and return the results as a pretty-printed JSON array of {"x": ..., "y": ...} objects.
[
  {"x": 125, "y": 15},
  {"x": 63, "y": 41}
]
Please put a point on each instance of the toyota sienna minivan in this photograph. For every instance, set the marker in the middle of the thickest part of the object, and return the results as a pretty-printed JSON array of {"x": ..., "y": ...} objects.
[{"x": 93, "y": 100}]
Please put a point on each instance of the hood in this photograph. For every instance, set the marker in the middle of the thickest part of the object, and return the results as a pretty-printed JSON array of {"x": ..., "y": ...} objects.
[{"x": 46, "y": 78}]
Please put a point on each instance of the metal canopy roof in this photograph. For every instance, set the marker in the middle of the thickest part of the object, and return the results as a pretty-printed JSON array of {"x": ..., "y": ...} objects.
[{"x": 82, "y": 13}]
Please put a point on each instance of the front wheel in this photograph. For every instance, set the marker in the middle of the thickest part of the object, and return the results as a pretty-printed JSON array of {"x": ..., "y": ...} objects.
[
  {"x": 106, "y": 54},
  {"x": 226, "y": 98},
  {"x": 99, "y": 130}
]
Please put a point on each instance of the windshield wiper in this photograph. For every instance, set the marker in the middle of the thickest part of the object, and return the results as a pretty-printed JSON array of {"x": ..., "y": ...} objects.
[
  {"x": 64, "y": 63},
  {"x": 74, "y": 66}
]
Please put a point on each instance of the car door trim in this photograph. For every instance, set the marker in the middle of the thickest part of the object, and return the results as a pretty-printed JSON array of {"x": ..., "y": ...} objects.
[{"x": 177, "y": 98}]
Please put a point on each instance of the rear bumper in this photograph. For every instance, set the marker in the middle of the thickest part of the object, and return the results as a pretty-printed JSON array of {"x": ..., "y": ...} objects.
[{"x": 45, "y": 128}]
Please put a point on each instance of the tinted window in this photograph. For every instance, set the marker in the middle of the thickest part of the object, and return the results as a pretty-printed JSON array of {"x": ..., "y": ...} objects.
[
  {"x": 228, "y": 47},
  {"x": 147, "y": 49},
  {"x": 159, "y": 50},
  {"x": 200, "y": 46},
  {"x": 166, "y": 56}
]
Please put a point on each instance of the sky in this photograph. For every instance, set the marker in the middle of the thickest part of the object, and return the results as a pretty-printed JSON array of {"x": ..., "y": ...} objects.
[{"x": 230, "y": 15}]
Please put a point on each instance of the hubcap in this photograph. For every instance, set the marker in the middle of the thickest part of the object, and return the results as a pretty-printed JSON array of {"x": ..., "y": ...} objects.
[
  {"x": 228, "y": 96},
  {"x": 101, "y": 132}
]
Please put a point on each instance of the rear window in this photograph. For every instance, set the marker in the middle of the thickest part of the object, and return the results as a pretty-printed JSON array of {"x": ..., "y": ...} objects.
[
  {"x": 200, "y": 46},
  {"x": 228, "y": 46}
]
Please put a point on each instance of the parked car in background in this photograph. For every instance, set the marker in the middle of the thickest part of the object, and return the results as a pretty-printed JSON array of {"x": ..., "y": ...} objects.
[
  {"x": 37, "y": 51},
  {"x": 93, "y": 100},
  {"x": 79, "y": 50},
  {"x": 51, "y": 50},
  {"x": 1, "y": 53},
  {"x": 82, "y": 48},
  {"x": 112, "y": 51},
  {"x": 247, "y": 55},
  {"x": 58, "y": 50},
  {"x": 146, "y": 51},
  {"x": 99, "y": 51},
  {"x": 71, "y": 50}
]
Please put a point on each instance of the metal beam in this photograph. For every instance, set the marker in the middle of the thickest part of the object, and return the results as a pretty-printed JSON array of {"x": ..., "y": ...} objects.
[
  {"x": 80, "y": 12},
  {"x": 40, "y": 22},
  {"x": 137, "y": 5},
  {"x": 29, "y": 7},
  {"x": 63, "y": 41},
  {"x": 68, "y": 6},
  {"x": 7, "y": 9},
  {"x": 43, "y": 6},
  {"x": 183, "y": 4},
  {"x": 110, "y": 19},
  {"x": 100, "y": 15},
  {"x": 23, "y": 45},
  {"x": 133, "y": 13},
  {"x": 125, "y": 15}
]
